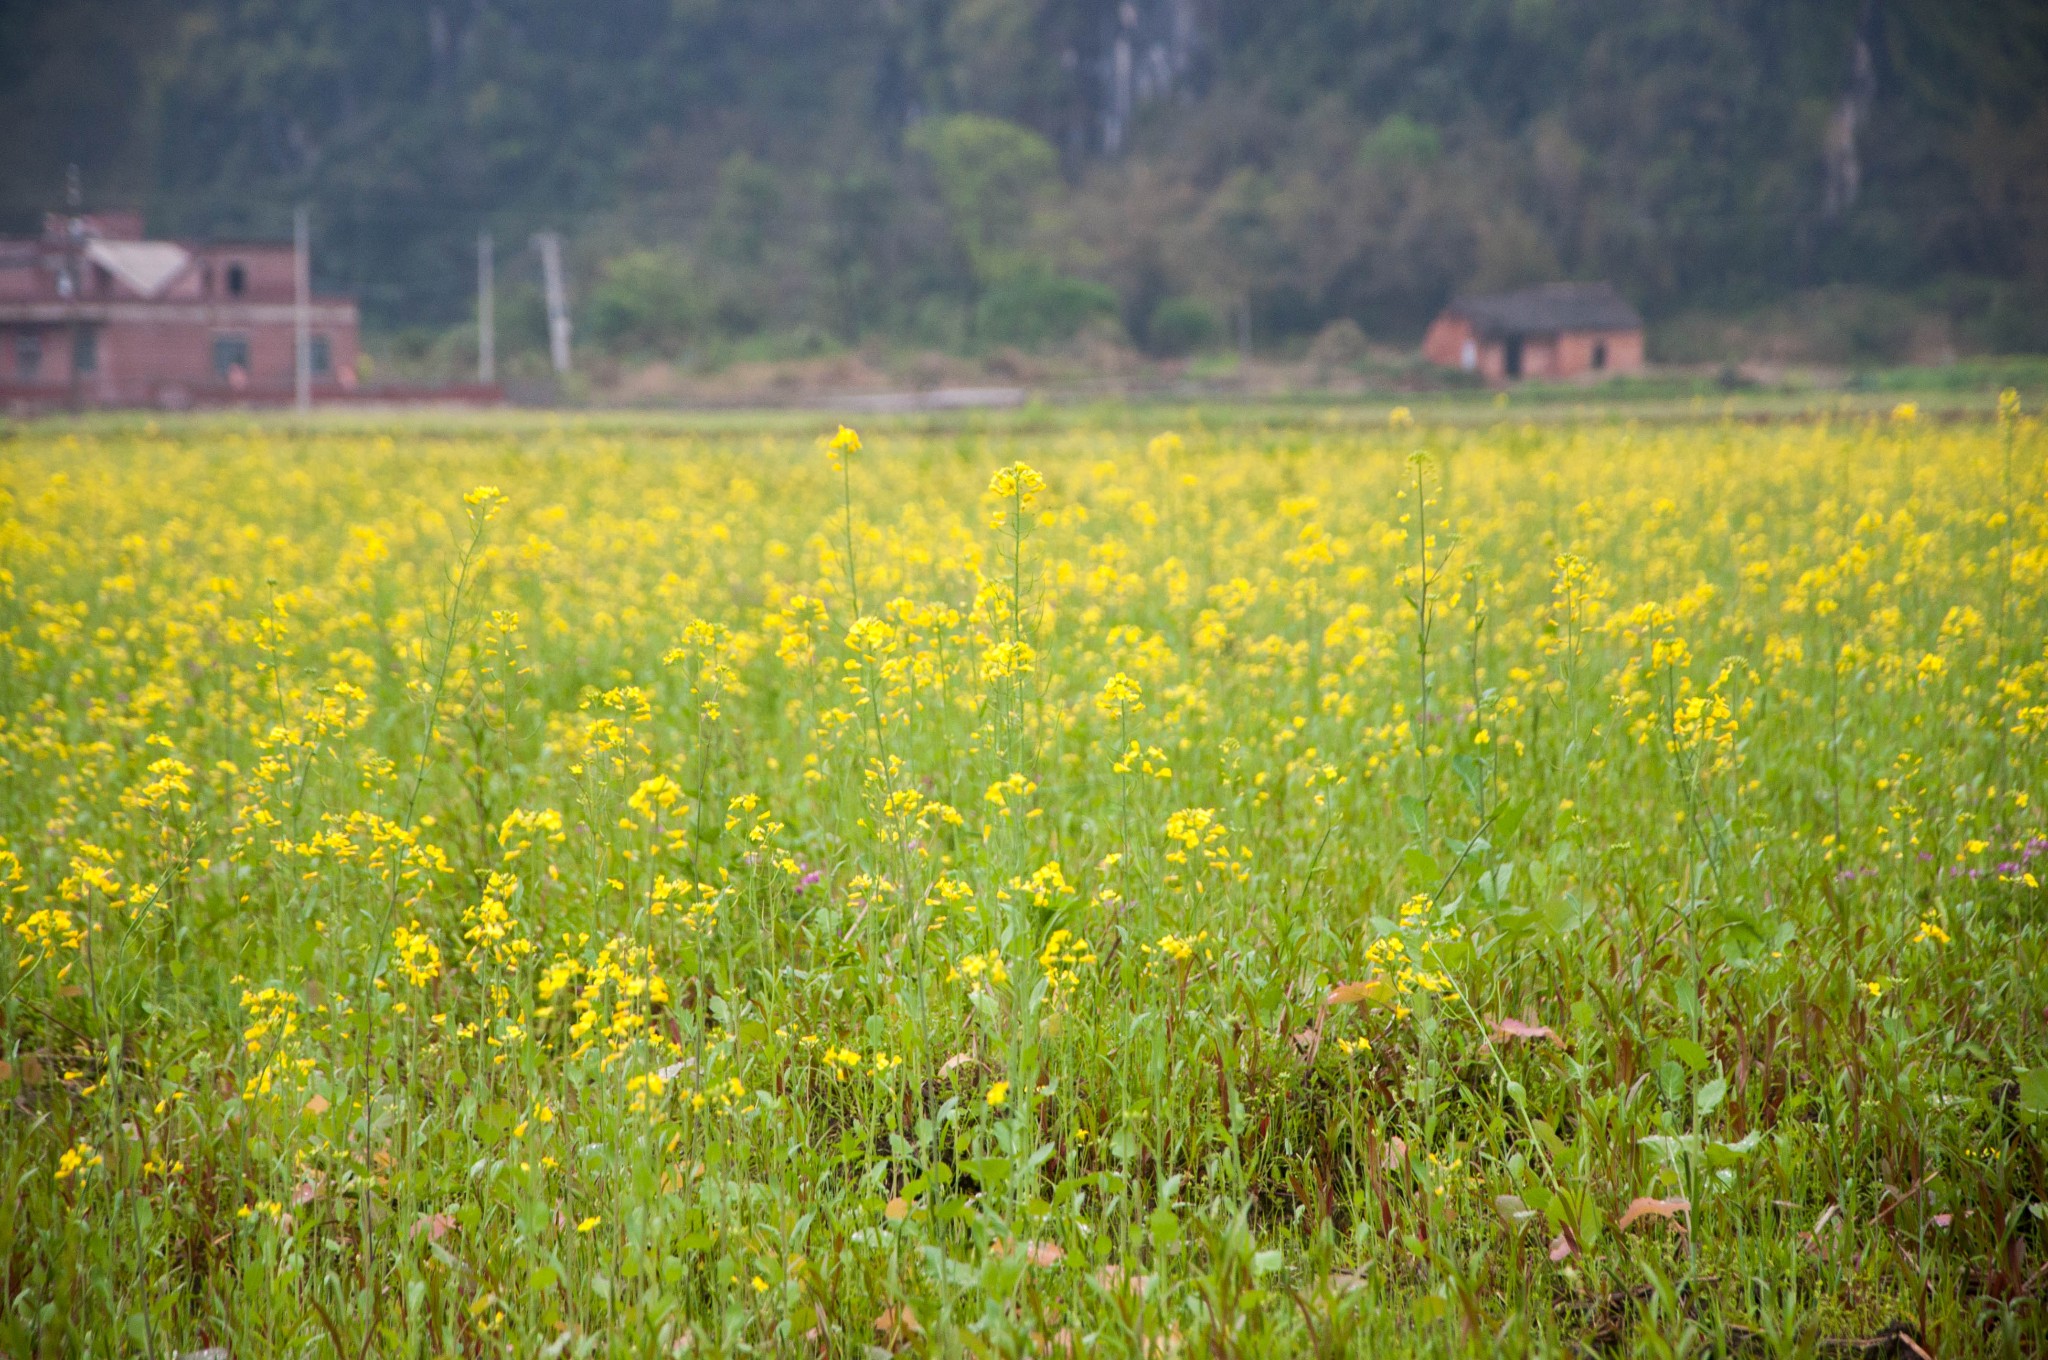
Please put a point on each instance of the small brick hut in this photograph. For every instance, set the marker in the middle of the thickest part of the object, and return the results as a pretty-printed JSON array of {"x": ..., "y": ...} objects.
[
  {"x": 93, "y": 314},
  {"x": 1556, "y": 330}
]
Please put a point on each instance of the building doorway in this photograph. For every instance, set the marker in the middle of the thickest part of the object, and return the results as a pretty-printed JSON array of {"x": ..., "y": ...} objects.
[{"x": 1512, "y": 357}]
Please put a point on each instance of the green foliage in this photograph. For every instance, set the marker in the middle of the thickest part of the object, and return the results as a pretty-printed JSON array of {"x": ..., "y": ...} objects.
[
  {"x": 1180, "y": 326},
  {"x": 857, "y": 168},
  {"x": 992, "y": 175},
  {"x": 648, "y": 301},
  {"x": 1400, "y": 141},
  {"x": 744, "y": 215},
  {"x": 1034, "y": 307}
]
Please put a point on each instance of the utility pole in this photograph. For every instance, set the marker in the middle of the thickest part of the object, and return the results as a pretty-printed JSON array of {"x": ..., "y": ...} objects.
[
  {"x": 486, "y": 312},
  {"x": 302, "y": 306},
  {"x": 71, "y": 285},
  {"x": 549, "y": 244}
]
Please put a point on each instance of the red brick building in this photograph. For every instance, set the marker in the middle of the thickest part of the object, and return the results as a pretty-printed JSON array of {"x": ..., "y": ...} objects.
[
  {"x": 1557, "y": 330},
  {"x": 94, "y": 315}
]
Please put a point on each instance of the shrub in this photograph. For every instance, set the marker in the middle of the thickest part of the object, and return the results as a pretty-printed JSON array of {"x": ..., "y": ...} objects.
[
  {"x": 1038, "y": 307},
  {"x": 1181, "y": 325},
  {"x": 647, "y": 301}
]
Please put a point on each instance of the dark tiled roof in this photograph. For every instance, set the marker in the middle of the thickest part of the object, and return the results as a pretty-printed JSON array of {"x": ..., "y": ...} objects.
[{"x": 1547, "y": 308}]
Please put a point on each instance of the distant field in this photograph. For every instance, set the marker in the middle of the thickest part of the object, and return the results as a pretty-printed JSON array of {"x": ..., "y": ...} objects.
[
  {"x": 1966, "y": 390},
  {"x": 1559, "y": 876}
]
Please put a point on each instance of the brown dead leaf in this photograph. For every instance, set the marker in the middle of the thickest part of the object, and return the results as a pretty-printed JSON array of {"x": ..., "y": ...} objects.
[
  {"x": 317, "y": 1104},
  {"x": 6, "y": 1070},
  {"x": 1562, "y": 1246},
  {"x": 897, "y": 1323},
  {"x": 1114, "y": 1277},
  {"x": 1308, "y": 1039},
  {"x": 1511, "y": 1028},
  {"x": 897, "y": 1209},
  {"x": 1371, "y": 992},
  {"x": 1165, "y": 1345},
  {"x": 1037, "y": 1253},
  {"x": 1061, "y": 1342},
  {"x": 1344, "y": 1281},
  {"x": 435, "y": 1226},
  {"x": 1395, "y": 1156},
  {"x": 305, "y": 1192},
  {"x": 955, "y": 1063},
  {"x": 1810, "y": 1241},
  {"x": 1643, "y": 1206}
]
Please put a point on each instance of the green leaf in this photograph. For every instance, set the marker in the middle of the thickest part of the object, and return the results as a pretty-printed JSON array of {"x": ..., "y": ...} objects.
[
  {"x": 1728, "y": 1154},
  {"x": 1689, "y": 1053},
  {"x": 1669, "y": 1147},
  {"x": 958, "y": 1274},
  {"x": 494, "y": 1122},
  {"x": 1513, "y": 1210},
  {"x": 990, "y": 1172},
  {"x": 1708, "y": 1098},
  {"x": 2034, "y": 1090},
  {"x": 1423, "y": 873}
]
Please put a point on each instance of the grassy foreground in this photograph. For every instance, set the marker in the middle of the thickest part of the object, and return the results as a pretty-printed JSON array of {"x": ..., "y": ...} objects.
[{"x": 1423, "y": 889}]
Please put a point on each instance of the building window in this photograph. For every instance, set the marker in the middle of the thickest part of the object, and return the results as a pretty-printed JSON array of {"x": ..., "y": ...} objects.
[
  {"x": 230, "y": 352},
  {"x": 1468, "y": 356},
  {"x": 28, "y": 356},
  {"x": 323, "y": 357},
  {"x": 238, "y": 279},
  {"x": 85, "y": 351},
  {"x": 1599, "y": 354}
]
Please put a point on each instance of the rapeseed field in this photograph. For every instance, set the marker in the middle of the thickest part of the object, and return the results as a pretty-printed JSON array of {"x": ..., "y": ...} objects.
[{"x": 546, "y": 890}]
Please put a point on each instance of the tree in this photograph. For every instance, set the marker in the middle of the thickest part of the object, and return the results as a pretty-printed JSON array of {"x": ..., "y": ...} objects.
[{"x": 992, "y": 175}]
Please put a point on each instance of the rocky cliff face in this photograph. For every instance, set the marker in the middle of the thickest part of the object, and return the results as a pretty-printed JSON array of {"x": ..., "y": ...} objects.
[{"x": 1151, "y": 53}]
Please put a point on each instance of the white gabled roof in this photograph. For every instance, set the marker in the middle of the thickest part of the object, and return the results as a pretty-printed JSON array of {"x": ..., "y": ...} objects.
[{"x": 147, "y": 267}]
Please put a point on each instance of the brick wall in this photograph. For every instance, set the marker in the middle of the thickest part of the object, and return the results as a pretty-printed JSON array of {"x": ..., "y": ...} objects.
[
  {"x": 156, "y": 355},
  {"x": 1567, "y": 355}
]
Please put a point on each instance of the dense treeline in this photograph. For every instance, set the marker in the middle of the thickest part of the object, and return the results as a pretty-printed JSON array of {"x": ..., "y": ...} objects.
[{"x": 961, "y": 172}]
